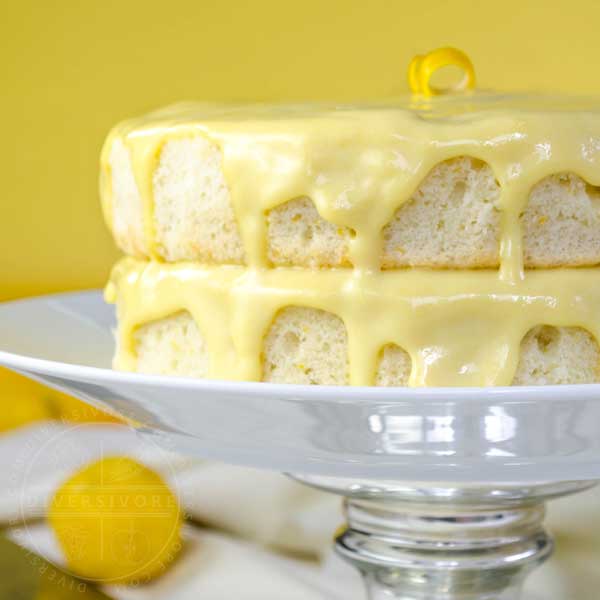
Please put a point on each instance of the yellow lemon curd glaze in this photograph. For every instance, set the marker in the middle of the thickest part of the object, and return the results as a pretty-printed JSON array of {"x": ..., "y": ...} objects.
[{"x": 359, "y": 164}]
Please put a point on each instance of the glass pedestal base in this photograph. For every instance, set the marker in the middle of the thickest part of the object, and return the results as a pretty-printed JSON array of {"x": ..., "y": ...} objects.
[{"x": 446, "y": 542}]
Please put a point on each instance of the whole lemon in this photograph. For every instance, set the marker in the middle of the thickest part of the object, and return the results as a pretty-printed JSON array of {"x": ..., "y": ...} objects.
[{"x": 116, "y": 521}]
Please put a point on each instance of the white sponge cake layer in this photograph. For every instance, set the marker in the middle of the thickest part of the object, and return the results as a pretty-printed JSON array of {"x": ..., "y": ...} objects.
[
  {"x": 393, "y": 367},
  {"x": 452, "y": 220},
  {"x": 310, "y": 346},
  {"x": 306, "y": 345},
  {"x": 193, "y": 216},
  {"x": 561, "y": 224},
  {"x": 299, "y": 236},
  {"x": 127, "y": 209},
  {"x": 172, "y": 346},
  {"x": 556, "y": 355}
]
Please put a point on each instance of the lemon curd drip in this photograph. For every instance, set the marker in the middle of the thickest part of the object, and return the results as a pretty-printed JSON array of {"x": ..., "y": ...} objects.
[{"x": 359, "y": 164}]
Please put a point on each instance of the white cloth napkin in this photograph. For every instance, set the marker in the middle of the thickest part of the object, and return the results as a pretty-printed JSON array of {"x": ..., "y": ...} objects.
[
  {"x": 215, "y": 566},
  {"x": 253, "y": 515}
]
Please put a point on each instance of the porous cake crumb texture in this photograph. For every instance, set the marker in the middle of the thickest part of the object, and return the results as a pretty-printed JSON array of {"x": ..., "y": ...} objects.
[
  {"x": 306, "y": 345},
  {"x": 193, "y": 216},
  {"x": 561, "y": 223},
  {"x": 452, "y": 220},
  {"x": 127, "y": 208},
  {"x": 172, "y": 346},
  {"x": 298, "y": 235},
  {"x": 557, "y": 355},
  {"x": 393, "y": 367}
]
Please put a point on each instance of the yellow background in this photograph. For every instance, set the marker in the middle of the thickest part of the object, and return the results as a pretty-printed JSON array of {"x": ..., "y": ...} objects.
[{"x": 69, "y": 69}]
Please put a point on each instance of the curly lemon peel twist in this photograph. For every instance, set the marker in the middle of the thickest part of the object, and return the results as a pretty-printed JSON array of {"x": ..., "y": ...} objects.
[{"x": 423, "y": 66}]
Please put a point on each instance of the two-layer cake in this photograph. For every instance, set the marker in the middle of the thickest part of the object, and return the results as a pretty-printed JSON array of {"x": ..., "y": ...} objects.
[{"x": 452, "y": 241}]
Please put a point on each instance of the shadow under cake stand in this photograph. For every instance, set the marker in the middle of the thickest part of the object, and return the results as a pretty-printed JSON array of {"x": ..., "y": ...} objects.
[{"x": 444, "y": 488}]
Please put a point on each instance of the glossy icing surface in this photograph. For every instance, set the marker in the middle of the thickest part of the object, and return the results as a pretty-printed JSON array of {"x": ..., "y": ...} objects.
[{"x": 359, "y": 164}]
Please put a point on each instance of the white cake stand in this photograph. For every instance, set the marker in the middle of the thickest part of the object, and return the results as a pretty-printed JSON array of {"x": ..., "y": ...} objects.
[{"x": 444, "y": 488}]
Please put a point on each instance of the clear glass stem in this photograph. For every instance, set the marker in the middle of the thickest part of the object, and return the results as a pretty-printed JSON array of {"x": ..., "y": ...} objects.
[
  {"x": 418, "y": 552},
  {"x": 443, "y": 542}
]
